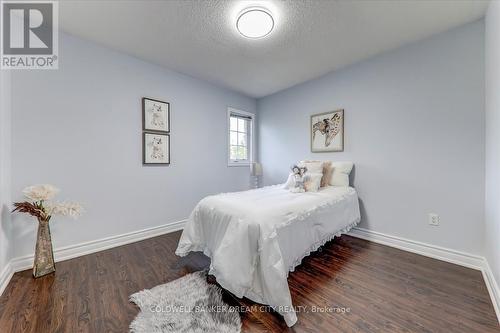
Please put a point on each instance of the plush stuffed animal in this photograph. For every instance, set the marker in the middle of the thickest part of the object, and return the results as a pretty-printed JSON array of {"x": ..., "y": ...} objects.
[{"x": 300, "y": 178}]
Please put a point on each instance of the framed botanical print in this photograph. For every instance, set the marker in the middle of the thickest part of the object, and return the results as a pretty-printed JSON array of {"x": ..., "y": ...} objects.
[
  {"x": 155, "y": 115},
  {"x": 155, "y": 148},
  {"x": 327, "y": 131}
]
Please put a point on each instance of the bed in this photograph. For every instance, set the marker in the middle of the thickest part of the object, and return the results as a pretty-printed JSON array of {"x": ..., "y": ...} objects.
[{"x": 255, "y": 238}]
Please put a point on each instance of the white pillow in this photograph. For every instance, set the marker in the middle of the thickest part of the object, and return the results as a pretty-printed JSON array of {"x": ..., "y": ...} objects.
[
  {"x": 312, "y": 166},
  {"x": 340, "y": 175},
  {"x": 313, "y": 183}
]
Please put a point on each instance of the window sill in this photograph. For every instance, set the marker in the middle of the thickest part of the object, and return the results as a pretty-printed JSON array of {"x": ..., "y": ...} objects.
[{"x": 239, "y": 164}]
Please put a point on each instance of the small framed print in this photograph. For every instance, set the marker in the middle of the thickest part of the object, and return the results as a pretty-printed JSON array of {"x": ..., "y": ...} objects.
[
  {"x": 155, "y": 115},
  {"x": 327, "y": 131},
  {"x": 155, "y": 148}
]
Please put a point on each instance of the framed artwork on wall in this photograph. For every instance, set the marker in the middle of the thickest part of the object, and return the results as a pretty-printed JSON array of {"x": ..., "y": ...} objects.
[
  {"x": 155, "y": 115},
  {"x": 327, "y": 131},
  {"x": 155, "y": 148}
]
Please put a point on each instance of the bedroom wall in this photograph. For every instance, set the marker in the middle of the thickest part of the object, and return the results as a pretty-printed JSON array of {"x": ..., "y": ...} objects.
[
  {"x": 414, "y": 127},
  {"x": 79, "y": 128},
  {"x": 5, "y": 160},
  {"x": 492, "y": 241}
]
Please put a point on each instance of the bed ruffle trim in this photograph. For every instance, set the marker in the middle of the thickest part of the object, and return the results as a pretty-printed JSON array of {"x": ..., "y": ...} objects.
[{"x": 314, "y": 247}]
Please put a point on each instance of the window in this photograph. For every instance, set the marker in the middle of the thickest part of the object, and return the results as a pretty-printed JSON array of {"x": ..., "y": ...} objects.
[{"x": 240, "y": 137}]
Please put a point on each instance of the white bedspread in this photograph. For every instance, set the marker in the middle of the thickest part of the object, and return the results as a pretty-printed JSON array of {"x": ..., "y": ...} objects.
[{"x": 256, "y": 237}]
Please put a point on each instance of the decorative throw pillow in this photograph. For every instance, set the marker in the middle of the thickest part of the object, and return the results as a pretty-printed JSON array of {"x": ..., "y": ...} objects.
[
  {"x": 312, "y": 166},
  {"x": 313, "y": 182},
  {"x": 340, "y": 174},
  {"x": 327, "y": 173},
  {"x": 327, "y": 170}
]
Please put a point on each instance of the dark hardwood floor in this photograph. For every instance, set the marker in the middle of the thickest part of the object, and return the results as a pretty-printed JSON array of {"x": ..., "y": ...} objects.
[{"x": 375, "y": 288}]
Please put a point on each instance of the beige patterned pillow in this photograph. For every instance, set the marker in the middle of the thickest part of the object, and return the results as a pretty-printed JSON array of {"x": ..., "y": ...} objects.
[
  {"x": 327, "y": 171},
  {"x": 312, "y": 166}
]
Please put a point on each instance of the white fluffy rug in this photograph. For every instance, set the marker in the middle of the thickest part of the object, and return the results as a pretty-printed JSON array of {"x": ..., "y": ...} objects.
[{"x": 188, "y": 304}]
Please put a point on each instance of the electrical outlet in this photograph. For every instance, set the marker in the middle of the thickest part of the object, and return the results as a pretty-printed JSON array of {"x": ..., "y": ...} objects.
[{"x": 434, "y": 219}]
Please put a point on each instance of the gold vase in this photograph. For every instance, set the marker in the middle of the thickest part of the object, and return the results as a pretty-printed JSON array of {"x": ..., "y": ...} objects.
[{"x": 44, "y": 256}]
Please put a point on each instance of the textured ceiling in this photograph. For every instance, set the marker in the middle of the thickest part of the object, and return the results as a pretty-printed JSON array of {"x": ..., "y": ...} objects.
[{"x": 310, "y": 38}]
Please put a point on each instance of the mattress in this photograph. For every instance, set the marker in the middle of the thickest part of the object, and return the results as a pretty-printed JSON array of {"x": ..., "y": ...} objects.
[{"x": 254, "y": 238}]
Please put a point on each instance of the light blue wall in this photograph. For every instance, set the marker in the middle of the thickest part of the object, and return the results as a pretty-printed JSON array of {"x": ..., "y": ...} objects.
[
  {"x": 5, "y": 171},
  {"x": 414, "y": 127},
  {"x": 79, "y": 128},
  {"x": 492, "y": 250}
]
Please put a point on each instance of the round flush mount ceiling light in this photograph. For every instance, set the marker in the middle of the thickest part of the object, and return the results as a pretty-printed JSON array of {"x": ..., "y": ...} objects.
[{"x": 255, "y": 22}]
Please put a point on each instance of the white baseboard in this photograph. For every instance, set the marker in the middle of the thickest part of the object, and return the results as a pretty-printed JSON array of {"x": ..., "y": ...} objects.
[
  {"x": 493, "y": 287},
  {"x": 440, "y": 253},
  {"x": 73, "y": 251},
  {"x": 428, "y": 250},
  {"x": 5, "y": 277}
]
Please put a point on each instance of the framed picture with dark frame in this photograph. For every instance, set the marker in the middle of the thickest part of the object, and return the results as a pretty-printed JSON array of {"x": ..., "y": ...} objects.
[
  {"x": 327, "y": 131},
  {"x": 155, "y": 148},
  {"x": 155, "y": 115}
]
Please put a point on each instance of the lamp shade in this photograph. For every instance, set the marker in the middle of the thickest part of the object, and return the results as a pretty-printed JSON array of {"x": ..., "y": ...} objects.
[{"x": 256, "y": 169}]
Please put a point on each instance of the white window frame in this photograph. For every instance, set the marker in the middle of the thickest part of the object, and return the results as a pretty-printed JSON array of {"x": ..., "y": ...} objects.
[{"x": 250, "y": 152}]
